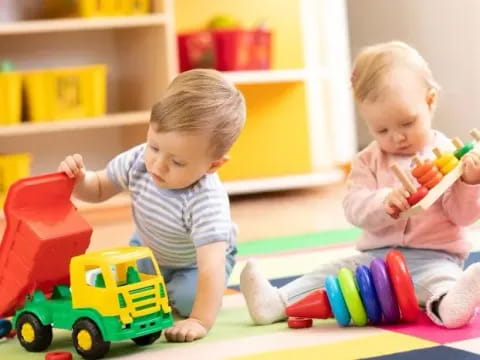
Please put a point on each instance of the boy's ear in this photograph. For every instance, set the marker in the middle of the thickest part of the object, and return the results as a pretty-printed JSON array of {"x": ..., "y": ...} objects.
[
  {"x": 217, "y": 164},
  {"x": 431, "y": 98}
]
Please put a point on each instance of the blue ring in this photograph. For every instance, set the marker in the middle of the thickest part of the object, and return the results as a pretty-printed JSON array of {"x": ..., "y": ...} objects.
[
  {"x": 337, "y": 302},
  {"x": 368, "y": 294}
]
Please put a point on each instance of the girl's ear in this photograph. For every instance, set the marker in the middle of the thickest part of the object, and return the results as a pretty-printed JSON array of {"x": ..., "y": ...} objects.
[
  {"x": 217, "y": 164},
  {"x": 431, "y": 98}
]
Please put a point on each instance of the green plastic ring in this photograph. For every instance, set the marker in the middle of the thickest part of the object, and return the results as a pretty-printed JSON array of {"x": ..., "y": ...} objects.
[
  {"x": 352, "y": 297},
  {"x": 463, "y": 150}
]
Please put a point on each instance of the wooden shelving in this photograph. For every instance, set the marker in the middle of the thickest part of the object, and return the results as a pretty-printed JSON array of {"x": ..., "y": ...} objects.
[
  {"x": 81, "y": 24},
  {"x": 111, "y": 120},
  {"x": 140, "y": 55}
]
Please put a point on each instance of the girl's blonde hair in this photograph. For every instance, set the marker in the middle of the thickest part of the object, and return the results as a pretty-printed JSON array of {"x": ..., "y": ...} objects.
[
  {"x": 202, "y": 100},
  {"x": 373, "y": 63}
]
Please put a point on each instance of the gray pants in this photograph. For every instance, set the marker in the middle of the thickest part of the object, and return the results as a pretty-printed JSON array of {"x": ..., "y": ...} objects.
[{"x": 433, "y": 274}]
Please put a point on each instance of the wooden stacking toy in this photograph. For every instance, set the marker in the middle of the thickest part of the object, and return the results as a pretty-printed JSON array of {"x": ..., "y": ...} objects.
[
  {"x": 450, "y": 166},
  {"x": 380, "y": 293}
]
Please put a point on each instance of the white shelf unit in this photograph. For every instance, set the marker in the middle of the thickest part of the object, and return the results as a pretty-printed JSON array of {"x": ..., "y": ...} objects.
[
  {"x": 141, "y": 57},
  {"x": 140, "y": 52}
]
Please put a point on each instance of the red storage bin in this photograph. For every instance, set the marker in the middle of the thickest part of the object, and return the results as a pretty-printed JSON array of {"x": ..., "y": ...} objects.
[{"x": 224, "y": 50}]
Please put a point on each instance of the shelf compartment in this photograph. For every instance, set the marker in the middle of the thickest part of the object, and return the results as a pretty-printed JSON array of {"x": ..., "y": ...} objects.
[{"x": 109, "y": 120}]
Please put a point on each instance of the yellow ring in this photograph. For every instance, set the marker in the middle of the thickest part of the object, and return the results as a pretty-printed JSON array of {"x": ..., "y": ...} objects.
[{"x": 449, "y": 167}]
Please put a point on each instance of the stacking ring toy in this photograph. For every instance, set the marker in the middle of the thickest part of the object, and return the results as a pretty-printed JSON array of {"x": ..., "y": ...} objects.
[{"x": 380, "y": 293}]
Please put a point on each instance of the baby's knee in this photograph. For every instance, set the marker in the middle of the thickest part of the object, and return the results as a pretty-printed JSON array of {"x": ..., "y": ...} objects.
[{"x": 182, "y": 302}]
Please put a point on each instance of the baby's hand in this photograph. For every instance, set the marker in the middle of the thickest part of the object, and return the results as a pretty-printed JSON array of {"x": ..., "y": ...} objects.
[
  {"x": 471, "y": 168},
  {"x": 73, "y": 166},
  {"x": 396, "y": 201},
  {"x": 186, "y": 330}
]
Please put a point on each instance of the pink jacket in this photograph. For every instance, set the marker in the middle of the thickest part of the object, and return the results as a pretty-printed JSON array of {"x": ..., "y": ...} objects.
[{"x": 441, "y": 227}]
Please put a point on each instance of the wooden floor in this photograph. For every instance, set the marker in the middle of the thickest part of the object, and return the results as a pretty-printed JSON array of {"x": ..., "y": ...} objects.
[{"x": 257, "y": 216}]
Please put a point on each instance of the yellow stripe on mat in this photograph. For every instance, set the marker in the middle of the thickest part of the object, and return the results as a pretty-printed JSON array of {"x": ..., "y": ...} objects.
[{"x": 362, "y": 347}]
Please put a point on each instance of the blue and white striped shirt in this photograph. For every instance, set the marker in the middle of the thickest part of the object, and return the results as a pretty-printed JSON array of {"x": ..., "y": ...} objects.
[{"x": 173, "y": 223}]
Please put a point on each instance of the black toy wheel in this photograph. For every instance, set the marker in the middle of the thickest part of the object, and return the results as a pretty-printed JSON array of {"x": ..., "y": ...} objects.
[
  {"x": 88, "y": 340},
  {"x": 147, "y": 339},
  {"x": 32, "y": 334}
]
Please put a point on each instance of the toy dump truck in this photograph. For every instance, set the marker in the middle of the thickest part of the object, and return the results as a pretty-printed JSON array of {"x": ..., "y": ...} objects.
[{"x": 48, "y": 281}]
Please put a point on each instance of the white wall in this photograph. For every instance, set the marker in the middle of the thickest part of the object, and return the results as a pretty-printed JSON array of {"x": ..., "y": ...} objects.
[{"x": 446, "y": 32}]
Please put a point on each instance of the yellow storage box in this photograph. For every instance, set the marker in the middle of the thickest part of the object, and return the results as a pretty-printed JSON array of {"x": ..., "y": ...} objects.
[
  {"x": 96, "y": 8},
  {"x": 10, "y": 98},
  {"x": 91, "y": 8},
  {"x": 65, "y": 93},
  {"x": 13, "y": 167}
]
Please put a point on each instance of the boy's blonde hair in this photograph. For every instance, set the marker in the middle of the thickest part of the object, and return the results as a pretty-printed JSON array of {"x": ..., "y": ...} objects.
[
  {"x": 374, "y": 63},
  {"x": 202, "y": 100}
]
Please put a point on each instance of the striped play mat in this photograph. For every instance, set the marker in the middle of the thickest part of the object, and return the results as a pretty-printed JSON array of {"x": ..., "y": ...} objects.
[{"x": 234, "y": 337}]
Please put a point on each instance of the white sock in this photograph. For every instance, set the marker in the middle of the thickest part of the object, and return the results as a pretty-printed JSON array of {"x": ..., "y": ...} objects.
[
  {"x": 264, "y": 302},
  {"x": 458, "y": 306}
]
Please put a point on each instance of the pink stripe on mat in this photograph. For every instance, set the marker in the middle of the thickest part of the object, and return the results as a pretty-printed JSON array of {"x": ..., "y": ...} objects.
[{"x": 424, "y": 328}]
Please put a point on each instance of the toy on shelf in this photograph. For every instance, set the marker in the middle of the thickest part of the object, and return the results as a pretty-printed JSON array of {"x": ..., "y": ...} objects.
[
  {"x": 415, "y": 194},
  {"x": 451, "y": 166},
  {"x": 47, "y": 280},
  {"x": 382, "y": 292}
]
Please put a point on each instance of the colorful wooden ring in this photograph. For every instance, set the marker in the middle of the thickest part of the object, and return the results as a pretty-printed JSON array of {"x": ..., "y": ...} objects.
[
  {"x": 434, "y": 180},
  {"x": 352, "y": 297},
  {"x": 403, "y": 286},
  {"x": 337, "y": 302},
  {"x": 384, "y": 290},
  {"x": 417, "y": 196},
  {"x": 463, "y": 150},
  {"x": 368, "y": 294},
  {"x": 299, "y": 322}
]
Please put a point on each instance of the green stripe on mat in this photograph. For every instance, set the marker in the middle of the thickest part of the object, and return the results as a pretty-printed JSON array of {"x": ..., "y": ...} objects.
[{"x": 296, "y": 242}]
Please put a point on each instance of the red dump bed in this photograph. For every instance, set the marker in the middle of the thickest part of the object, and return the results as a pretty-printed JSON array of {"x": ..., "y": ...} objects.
[{"x": 43, "y": 232}]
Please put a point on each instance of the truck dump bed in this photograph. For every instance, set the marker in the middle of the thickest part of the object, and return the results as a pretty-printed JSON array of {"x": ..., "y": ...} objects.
[{"x": 43, "y": 232}]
